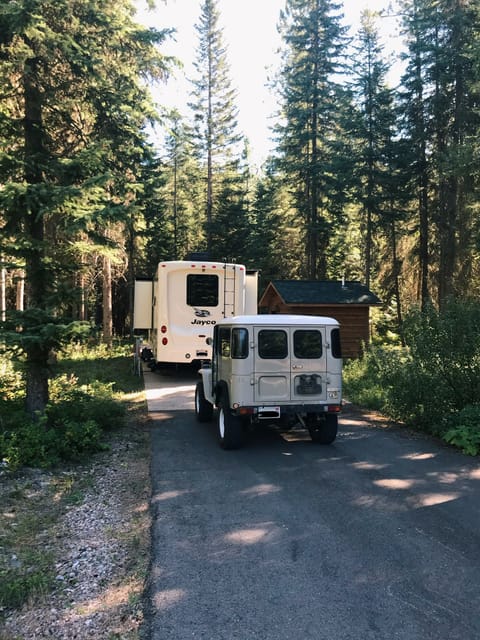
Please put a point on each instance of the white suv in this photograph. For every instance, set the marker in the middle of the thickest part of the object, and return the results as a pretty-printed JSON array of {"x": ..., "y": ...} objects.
[{"x": 284, "y": 368}]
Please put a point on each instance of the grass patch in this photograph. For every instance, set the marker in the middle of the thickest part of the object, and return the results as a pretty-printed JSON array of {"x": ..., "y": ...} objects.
[
  {"x": 87, "y": 390},
  {"x": 92, "y": 399}
]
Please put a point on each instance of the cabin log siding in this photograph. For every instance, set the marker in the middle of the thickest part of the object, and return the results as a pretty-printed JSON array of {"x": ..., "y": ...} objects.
[{"x": 354, "y": 319}]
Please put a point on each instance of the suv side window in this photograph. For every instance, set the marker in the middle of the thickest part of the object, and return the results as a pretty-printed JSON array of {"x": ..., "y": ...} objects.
[
  {"x": 336, "y": 344},
  {"x": 307, "y": 343},
  {"x": 272, "y": 344},
  {"x": 239, "y": 343},
  {"x": 223, "y": 343}
]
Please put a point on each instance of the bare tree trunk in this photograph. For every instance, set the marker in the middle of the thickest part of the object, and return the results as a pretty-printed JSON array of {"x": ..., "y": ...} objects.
[
  {"x": 3, "y": 294},
  {"x": 107, "y": 301},
  {"x": 20, "y": 290}
]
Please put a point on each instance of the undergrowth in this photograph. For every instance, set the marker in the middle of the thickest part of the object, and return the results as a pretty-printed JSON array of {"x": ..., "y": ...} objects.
[
  {"x": 92, "y": 392},
  {"x": 85, "y": 401},
  {"x": 433, "y": 384}
]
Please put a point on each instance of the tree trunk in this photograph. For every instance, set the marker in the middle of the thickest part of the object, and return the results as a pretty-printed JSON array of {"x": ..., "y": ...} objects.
[
  {"x": 20, "y": 290},
  {"x": 3, "y": 293},
  {"x": 107, "y": 301},
  {"x": 35, "y": 273}
]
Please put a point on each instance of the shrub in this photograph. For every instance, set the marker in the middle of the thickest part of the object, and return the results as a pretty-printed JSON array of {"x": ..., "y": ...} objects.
[
  {"x": 463, "y": 430},
  {"x": 363, "y": 382},
  {"x": 74, "y": 421},
  {"x": 432, "y": 383},
  {"x": 94, "y": 402}
]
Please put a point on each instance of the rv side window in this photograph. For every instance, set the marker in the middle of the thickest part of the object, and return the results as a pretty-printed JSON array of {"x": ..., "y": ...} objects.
[
  {"x": 307, "y": 343},
  {"x": 272, "y": 344},
  {"x": 202, "y": 290},
  {"x": 223, "y": 343},
  {"x": 239, "y": 343},
  {"x": 336, "y": 345}
]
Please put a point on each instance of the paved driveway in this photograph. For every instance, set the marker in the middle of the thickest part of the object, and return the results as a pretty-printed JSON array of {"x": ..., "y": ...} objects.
[{"x": 374, "y": 537}]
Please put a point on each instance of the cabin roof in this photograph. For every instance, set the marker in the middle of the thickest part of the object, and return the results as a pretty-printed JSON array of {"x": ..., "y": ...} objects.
[{"x": 315, "y": 292}]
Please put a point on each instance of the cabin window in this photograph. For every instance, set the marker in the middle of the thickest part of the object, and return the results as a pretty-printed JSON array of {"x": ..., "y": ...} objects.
[
  {"x": 239, "y": 343},
  {"x": 272, "y": 344},
  {"x": 307, "y": 344},
  {"x": 202, "y": 290},
  {"x": 336, "y": 345}
]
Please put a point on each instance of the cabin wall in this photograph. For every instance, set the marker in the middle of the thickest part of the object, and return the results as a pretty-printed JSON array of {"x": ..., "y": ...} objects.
[{"x": 353, "y": 319}]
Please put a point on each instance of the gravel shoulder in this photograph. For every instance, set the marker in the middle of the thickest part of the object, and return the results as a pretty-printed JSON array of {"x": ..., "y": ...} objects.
[{"x": 86, "y": 530}]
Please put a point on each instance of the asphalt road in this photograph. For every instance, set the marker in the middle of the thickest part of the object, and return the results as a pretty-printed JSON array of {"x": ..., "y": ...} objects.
[{"x": 374, "y": 537}]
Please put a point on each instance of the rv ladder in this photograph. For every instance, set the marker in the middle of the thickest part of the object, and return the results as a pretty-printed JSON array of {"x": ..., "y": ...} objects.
[{"x": 229, "y": 290}]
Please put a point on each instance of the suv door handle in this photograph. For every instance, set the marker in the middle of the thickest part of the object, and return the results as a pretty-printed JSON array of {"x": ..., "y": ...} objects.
[{"x": 297, "y": 366}]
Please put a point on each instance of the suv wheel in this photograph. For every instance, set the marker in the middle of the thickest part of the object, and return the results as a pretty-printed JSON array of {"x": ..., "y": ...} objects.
[
  {"x": 322, "y": 429},
  {"x": 203, "y": 408},
  {"x": 230, "y": 429}
]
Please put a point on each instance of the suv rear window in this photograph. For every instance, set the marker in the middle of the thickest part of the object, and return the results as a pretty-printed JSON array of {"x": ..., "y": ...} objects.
[
  {"x": 272, "y": 344},
  {"x": 307, "y": 344}
]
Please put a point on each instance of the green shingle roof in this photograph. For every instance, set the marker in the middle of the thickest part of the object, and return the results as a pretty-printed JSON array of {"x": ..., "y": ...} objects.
[{"x": 324, "y": 292}]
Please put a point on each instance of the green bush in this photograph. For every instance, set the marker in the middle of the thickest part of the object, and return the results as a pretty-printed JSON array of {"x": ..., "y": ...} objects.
[
  {"x": 363, "y": 382},
  {"x": 75, "y": 419},
  {"x": 432, "y": 383},
  {"x": 70, "y": 402},
  {"x": 463, "y": 430}
]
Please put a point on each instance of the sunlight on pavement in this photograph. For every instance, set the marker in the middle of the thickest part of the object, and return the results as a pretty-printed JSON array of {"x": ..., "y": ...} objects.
[
  {"x": 247, "y": 536},
  {"x": 167, "y": 598}
]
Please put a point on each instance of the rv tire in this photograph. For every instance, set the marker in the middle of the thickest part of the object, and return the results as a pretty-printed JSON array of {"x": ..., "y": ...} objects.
[
  {"x": 230, "y": 429},
  {"x": 322, "y": 429},
  {"x": 203, "y": 408}
]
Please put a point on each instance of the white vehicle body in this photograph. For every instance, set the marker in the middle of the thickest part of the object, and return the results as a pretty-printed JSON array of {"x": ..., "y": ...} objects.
[
  {"x": 273, "y": 367},
  {"x": 185, "y": 302}
]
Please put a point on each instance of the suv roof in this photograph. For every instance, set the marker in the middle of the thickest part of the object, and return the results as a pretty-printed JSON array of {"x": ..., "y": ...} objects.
[{"x": 278, "y": 319}]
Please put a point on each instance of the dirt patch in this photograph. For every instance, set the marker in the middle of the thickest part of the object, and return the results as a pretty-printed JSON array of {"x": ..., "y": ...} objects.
[{"x": 75, "y": 544}]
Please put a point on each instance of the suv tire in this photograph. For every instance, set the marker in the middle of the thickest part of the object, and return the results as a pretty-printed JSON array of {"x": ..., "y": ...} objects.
[
  {"x": 203, "y": 408},
  {"x": 322, "y": 429},
  {"x": 230, "y": 429}
]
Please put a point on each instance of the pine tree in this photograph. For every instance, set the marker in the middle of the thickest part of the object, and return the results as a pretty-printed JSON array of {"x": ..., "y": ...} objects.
[
  {"x": 441, "y": 91},
  {"x": 311, "y": 106},
  {"x": 72, "y": 112},
  {"x": 215, "y": 114},
  {"x": 373, "y": 136}
]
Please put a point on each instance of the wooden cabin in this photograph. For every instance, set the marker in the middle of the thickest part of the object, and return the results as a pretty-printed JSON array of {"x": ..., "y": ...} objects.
[{"x": 348, "y": 302}]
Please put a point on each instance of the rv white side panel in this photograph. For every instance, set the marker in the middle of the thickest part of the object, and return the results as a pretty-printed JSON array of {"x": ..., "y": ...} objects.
[
  {"x": 251, "y": 294},
  {"x": 142, "y": 304}
]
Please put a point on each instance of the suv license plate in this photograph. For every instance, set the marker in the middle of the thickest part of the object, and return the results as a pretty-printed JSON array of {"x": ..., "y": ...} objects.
[{"x": 265, "y": 413}]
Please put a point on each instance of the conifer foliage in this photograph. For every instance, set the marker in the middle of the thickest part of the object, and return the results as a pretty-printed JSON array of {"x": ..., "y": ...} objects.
[
  {"x": 215, "y": 120},
  {"x": 72, "y": 108},
  {"x": 311, "y": 102}
]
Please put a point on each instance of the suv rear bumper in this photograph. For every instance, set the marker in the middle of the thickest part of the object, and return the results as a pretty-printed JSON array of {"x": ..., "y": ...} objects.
[{"x": 276, "y": 411}]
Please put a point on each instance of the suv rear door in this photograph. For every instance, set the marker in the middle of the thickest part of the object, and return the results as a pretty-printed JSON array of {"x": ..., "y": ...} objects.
[{"x": 289, "y": 364}]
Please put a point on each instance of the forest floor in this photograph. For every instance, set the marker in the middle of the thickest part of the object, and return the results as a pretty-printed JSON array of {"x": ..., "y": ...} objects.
[{"x": 75, "y": 544}]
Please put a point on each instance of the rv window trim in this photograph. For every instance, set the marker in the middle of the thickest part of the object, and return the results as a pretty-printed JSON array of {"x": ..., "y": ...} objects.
[{"x": 195, "y": 287}]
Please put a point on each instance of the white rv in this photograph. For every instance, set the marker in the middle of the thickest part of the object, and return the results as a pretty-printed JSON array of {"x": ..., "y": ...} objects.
[{"x": 185, "y": 301}]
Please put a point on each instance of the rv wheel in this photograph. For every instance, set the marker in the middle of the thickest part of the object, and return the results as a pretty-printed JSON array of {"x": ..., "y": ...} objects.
[
  {"x": 203, "y": 408},
  {"x": 230, "y": 429},
  {"x": 322, "y": 429}
]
